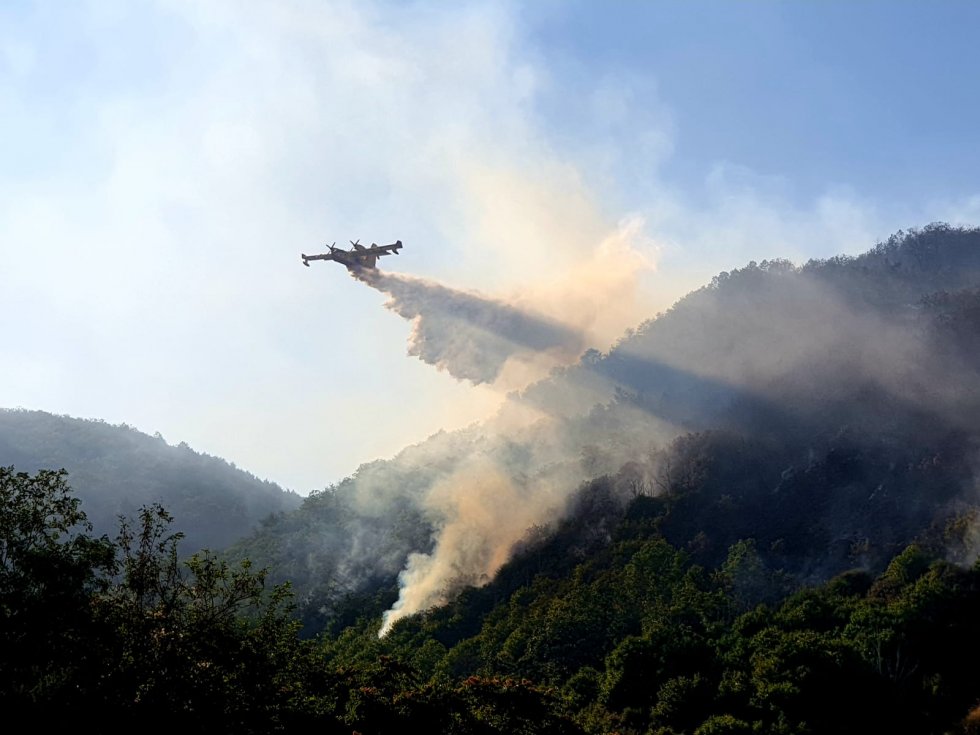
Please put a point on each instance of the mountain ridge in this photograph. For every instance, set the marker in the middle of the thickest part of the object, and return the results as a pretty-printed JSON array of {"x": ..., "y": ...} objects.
[{"x": 116, "y": 469}]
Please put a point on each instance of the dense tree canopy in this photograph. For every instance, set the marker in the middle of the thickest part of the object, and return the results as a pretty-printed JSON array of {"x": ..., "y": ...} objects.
[{"x": 636, "y": 638}]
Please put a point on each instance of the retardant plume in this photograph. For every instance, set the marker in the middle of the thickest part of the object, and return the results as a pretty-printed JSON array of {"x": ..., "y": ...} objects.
[{"x": 469, "y": 335}]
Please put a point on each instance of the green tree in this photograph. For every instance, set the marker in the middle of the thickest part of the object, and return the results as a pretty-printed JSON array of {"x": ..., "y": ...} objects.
[
  {"x": 49, "y": 569},
  {"x": 126, "y": 633},
  {"x": 198, "y": 643}
]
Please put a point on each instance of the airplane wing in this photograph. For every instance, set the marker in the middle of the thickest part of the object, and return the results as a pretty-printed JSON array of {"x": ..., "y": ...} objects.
[
  {"x": 321, "y": 256},
  {"x": 387, "y": 249}
]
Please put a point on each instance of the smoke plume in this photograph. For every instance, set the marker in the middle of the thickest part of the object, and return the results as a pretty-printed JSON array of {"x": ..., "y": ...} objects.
[
  {"x": 484, "y": 512},
  {"x": 789, "y": 354}
]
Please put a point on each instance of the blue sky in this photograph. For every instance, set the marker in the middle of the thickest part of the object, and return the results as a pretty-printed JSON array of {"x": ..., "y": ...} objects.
[
  {"x": 876, "y": 95},
  {"x": 163, "y": 163}
]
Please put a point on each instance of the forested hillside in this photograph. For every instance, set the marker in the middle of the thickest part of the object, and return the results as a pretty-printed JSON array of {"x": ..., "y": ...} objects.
[
  {"x": 116, "y": 469},
  {"x": 582, "y": 632},
  {"x": 826, "y": 411}
]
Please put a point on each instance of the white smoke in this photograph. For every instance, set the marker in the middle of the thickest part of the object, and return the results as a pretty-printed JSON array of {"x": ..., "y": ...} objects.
[
  {"x": 484, "y": 512},
  {"x": 487, "y": 503}
]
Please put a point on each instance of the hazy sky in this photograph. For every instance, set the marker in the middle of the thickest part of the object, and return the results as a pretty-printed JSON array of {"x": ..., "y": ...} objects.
[{"x": 163, "y": 164}]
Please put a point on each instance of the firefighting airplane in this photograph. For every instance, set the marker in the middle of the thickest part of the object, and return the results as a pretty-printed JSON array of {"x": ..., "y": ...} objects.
[{"x": 358, "y": 257}]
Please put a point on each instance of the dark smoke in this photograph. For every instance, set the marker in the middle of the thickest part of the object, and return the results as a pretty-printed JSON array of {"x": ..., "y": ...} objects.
[{"x": 469, "y": 335}]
